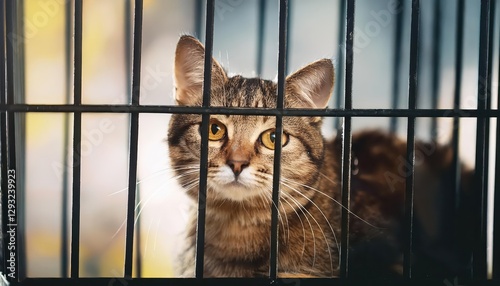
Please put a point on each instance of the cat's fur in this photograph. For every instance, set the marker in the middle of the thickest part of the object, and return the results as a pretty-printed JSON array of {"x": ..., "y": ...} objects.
[{"x": 240, "y": 168}]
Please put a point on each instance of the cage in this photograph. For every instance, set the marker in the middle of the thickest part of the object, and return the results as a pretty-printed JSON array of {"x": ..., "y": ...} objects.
[{"x": 82, "y": 184}]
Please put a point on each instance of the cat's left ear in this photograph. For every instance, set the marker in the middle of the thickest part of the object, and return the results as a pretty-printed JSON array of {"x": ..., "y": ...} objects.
[{"x": 310, "y": 86}]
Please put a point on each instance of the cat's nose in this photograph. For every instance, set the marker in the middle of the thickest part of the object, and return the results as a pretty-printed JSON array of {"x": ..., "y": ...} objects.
[{"x": 237, "y": 166}]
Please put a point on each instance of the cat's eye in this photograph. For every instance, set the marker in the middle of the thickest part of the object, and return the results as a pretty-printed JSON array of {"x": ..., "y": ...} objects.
[
  {"x": 268, "y": 138},
  {"x": 216, "y": 131}
]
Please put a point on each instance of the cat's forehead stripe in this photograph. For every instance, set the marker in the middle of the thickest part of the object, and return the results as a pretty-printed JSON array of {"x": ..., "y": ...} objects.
[{"x": 248, "y": 92}]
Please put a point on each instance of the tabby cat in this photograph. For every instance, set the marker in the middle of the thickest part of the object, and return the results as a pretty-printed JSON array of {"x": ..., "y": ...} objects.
[{"x": 240, "y": 177}]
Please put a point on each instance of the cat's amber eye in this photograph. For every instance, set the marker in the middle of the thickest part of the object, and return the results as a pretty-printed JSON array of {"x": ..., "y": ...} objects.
[
  {"x": 216, "y": 131},
  {"x": 268, "y": 138}
]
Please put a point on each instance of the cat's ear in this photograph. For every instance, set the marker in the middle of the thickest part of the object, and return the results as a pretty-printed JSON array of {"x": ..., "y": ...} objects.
[
  {"x": 311, "y": 86},
  {"x": 189, "y": 70}
]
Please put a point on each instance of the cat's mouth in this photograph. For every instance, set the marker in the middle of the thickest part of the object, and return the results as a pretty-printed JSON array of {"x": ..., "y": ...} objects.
[{"x": 234, "y": 187}]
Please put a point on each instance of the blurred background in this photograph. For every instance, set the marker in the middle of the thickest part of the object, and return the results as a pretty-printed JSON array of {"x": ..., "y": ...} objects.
[{"x": 162, "y": 207}]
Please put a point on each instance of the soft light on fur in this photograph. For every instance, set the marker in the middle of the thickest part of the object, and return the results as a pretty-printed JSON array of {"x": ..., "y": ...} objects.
[{"x": 240, "y": 179}]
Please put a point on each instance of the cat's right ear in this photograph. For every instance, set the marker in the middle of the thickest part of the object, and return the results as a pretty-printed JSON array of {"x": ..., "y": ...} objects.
[{"x": 189, "y": 70}]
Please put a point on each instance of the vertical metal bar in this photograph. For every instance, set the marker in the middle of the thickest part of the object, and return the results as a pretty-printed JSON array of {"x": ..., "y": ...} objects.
[
  {"x": 282, "y": 59},
  {"x": 129, "y": 85},
  {"x": 134, "y": 135},
  {"x": 65, "y": 176},
  {"x": 396, "y": 68},
  {"x": 480, "y": 245},
  {"x": 436, "y": 64},
  {"x": 347, "y": 141},
  {"x": 20, "y": 133},
  {"x": 410, "y": 148},
  {"x": 260, "y": 36},
  {"x": 128, "y": 30},
  {"x": 202, "y": 192},
  {"x": 288, "y": 35},
  {"x": 12, "y": 218},
  {"x": 77, "y": 139},
  {"x": 3, "y": 142},
  {"x": 459, "y": 42},
  {"x": 341, "y": 57}
]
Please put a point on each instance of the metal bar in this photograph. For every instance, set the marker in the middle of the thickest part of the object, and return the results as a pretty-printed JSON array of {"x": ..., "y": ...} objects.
[
  {"x": 3, "y": 142},
  {"x": 436, "y": 64},
  {"x": 134, "y": 135},
  {"x": 398, "y": 42},
  {"x": 334, "y": 112},
  {"x": 341, "y": 57},
  {"x": 480, "y": 245},
  {"x": 65, "y": 176},
  {"x": 410, "y": 147},
  {"x": 347, "y": 141},
  {"x": 202, "y": 193},
  {"x": 13, "y": 230},
  {"x": 77, "y": 139},
  {"x": 288, "y": 22},
  {"x": 20, "y": 131},
  {"x": 282, "y": 66},
  {"x": 128, "y": 30},
  {"x": 260, "y": 36}
]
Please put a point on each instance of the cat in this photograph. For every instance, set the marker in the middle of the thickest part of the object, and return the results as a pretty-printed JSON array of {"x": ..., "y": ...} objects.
[{"x": 240, "y": 177}]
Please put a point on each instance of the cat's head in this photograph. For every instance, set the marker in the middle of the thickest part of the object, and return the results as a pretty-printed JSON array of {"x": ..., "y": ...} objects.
[{"x": 241, "y": 148}]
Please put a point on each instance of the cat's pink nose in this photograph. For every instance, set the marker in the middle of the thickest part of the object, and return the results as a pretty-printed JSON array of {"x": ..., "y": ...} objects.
[{"x": 237, "y": 166}]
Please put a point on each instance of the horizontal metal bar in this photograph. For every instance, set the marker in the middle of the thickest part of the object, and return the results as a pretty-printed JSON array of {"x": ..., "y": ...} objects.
[
  {"x": 105, "y": 281},
  {"x": 471, "y": 113}
]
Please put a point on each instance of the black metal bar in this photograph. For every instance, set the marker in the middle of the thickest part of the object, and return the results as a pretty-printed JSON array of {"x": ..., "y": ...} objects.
[
  {"x": 13, "y": 229},
  {"x": 128, "y": 30},
  {"x": 480, "y": 245},
  {"x": 347, "y": 140},
  {"x": 396, "y": 69},
  {"x": 410, "y": 147},
  {"x": 77, "y": 139},
  {"x": 334, "y": 112},
  {"x": 65, "y": 176},
  {"x": 3, "y": 143},
  {"x": 134, "y": 135},
  {"x": 341, "y": 57},
  {"x": 246, "y": 282},
  {"x": 260, "y": 36},
  {"x": 202, "y": 193},
  {"x": 20, "y": 131},
  {"x": 288, "y": 35},
  {"x": 282, "y": 66},
  {"x": 436, "y": 64}
]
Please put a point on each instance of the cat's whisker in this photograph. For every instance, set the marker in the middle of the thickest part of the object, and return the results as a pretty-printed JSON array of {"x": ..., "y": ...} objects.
[
  {"x": 303, "y": 227},
  {"x": 156, "y": 174},
  {"x": 147, "y": 240},
  {"x": 326, "y": 219},
  {"x": 266, "y": 200},
  {"x": 285, "y": 215},
  {"x": 280, "y": 216},
  {"x": 147, "y": 178},
  {"x": 334, "y": 200},
  {"x": 299, "y": 206}
]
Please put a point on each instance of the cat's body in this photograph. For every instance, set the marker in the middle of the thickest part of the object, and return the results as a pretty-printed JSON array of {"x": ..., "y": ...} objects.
[{"x": 240, "y": 162}]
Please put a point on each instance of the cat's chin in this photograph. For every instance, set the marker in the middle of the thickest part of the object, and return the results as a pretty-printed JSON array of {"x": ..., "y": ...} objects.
[{"x": 235, "y": 191}]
